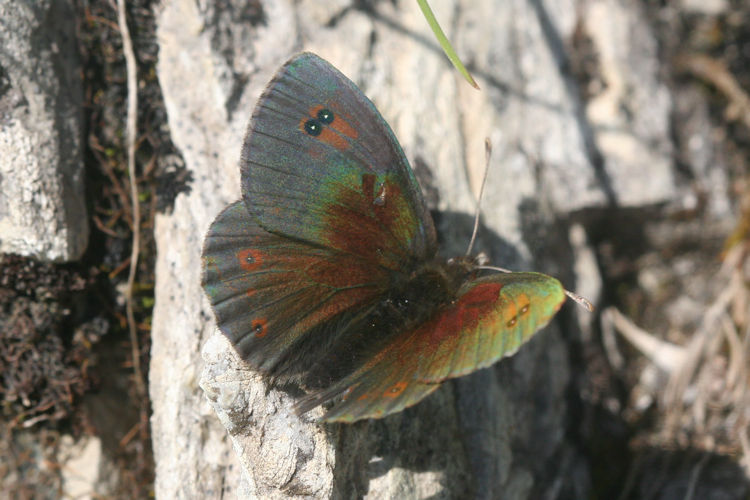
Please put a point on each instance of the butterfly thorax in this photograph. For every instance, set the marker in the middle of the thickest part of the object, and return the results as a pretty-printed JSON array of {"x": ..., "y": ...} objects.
[{"x": 414, "y": 298}]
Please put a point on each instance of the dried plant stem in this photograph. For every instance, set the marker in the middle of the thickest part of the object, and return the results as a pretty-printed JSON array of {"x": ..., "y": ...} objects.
[
  {"x": 717, "y": 74},
  {"x": 667, "y": 356},
  {"x": 696, "y": 348},
  {"x": 745, "y": 444},
  {"x": 130, "y": 129}
]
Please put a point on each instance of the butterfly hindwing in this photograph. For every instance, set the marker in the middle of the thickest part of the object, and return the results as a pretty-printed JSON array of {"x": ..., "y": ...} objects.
[
  {"x": 319, "y": 164},
  {"x": 490, "y": 319},
  {"x": 269, "y": 291},
  {"x": 385, "y": 385}
]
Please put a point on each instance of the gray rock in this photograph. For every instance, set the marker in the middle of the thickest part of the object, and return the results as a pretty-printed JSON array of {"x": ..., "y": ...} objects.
[
  {"x": 87, "y": 472},
  {"x": 629, "y": 116},
  {"x": 498, "y": 431},
  {"x": 42, "y": 207}
]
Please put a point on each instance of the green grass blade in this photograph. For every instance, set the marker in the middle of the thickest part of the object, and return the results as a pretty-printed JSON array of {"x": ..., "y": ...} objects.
[{"x": 444, "y": 43}]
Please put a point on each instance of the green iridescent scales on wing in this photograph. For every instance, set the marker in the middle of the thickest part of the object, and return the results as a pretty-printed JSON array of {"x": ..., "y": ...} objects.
[
  {"x": 369, "y": 222},
  {"x": 493, "y": 317}
]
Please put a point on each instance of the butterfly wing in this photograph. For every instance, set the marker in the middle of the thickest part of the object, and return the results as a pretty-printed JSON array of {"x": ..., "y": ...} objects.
[
  {"x": 319, "y": 164},
  {"x": 271, "y": 294},
  {"x": 385, "y": 385},
  {"x": 490, "y": 319}
]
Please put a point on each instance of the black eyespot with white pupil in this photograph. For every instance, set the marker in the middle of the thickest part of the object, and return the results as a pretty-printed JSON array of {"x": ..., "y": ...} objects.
[
  {"x": 325, "y": 116},
  {"x": 314, "y": 126}
]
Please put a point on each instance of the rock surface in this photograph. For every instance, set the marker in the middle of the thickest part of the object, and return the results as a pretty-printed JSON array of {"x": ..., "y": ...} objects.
[
  {"x": 87, "y": 472},
  {"x": 42, "y": 202},
  {"x": 498, "y": 431}
]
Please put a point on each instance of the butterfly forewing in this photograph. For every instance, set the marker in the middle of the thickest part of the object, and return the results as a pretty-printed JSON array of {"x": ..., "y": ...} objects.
[{"x": 319, "y": 164}]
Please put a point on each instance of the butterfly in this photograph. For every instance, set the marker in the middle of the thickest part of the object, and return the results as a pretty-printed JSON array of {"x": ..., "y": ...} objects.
[{"x": 326, "y": 273}]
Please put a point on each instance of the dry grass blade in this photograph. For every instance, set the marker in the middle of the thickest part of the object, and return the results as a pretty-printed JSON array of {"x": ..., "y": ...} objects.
[
  {"x": 736, "y": 371},
  {"x": 745, "y": 444},
  {"x": 717, "y": 74},
  {"x": 696, "y": 349},
  {"x": 132, "y": 114},
  {"x": 705, "y": 401},
  {"x": 667, "y": 356}
]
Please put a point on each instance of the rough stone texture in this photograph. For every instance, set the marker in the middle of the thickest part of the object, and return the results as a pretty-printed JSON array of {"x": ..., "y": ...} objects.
[
  {"x": 42, "y": 207},
  {"x": 86, "y": 470},
  {"x": 499, "y": 431},
  {"x": 629, "y": 114}
]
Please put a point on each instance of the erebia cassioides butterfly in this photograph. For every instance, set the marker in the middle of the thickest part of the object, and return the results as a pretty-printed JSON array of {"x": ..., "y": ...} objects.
[{"x": 326, "y": 273}]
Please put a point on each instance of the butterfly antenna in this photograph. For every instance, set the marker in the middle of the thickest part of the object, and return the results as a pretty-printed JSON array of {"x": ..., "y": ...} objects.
[
  {"x": 581, "y": 301},
  {"x": 487, "y": 155}
]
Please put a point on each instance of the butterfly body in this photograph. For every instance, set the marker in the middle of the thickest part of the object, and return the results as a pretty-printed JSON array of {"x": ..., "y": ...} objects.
[{"x": 326, "y": 272}]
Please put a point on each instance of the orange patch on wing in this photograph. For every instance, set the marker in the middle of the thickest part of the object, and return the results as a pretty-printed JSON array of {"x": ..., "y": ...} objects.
[
  {"x": 339, "y": 123},
  {"x": 510, "y": 312},
  {"x": 337, "y": 133},
  {"x": 250, "y": 259},
  {"x": 330, "y": 137},
  {"x": 395, "y": 390},
  {"x": 523, "y": 299},
  {"x": 260, "y": 327},
  {"x": 343, "y": 127}
]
